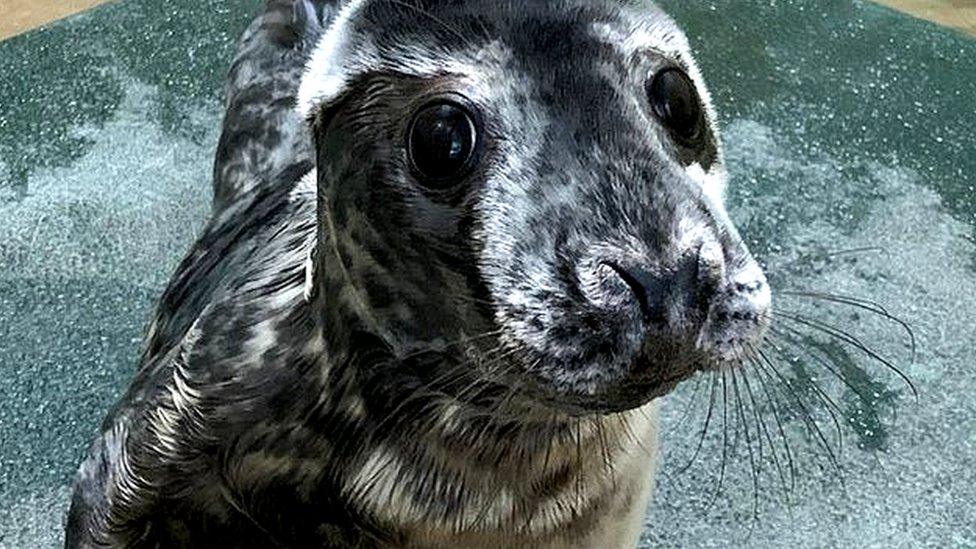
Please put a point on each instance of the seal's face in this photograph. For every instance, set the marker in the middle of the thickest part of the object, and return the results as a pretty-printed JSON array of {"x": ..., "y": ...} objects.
[{"x": 544, "y": 177}]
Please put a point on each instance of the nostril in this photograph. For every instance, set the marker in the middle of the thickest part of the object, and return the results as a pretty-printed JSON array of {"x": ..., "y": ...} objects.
[
  {"x": 689, "y": 286},
  {"x": 649, "y": 289}
]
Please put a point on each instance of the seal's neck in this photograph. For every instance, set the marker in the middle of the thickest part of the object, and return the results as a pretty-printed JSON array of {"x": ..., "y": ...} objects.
[{"x": 530, "y": 481}]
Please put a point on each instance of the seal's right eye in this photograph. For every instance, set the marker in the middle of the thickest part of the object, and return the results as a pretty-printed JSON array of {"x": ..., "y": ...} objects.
[{"x": 441, "y": 143}]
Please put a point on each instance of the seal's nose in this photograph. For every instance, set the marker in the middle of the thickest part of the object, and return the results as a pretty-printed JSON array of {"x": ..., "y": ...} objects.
[{"x": 684, "y": 289}]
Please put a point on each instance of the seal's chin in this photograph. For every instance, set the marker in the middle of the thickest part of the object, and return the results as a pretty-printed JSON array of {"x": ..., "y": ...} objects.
[
  {"x": 618, "y": 399},
  {"x": 610, "y": 400},
  {"x": 643, "y": 380}
]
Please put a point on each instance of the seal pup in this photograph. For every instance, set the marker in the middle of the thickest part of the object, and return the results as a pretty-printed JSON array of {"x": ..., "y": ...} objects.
[{"x": 458, "y": 249}]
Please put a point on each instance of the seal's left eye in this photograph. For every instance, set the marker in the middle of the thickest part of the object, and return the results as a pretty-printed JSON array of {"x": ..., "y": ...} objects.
[
  {"x": 676, "y": 103},
  {"x": 442, "y": 141}
]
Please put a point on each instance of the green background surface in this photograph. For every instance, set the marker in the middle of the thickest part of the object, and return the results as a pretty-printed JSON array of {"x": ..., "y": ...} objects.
[{"x": 849, "y": 128}]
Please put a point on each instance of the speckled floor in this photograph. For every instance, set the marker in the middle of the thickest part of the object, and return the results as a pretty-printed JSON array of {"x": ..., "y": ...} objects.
[{"x": 851, "y": 137}]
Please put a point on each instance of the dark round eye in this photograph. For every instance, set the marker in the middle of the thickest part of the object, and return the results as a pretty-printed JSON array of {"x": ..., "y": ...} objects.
[
  {"x": 442, "y": 142},
  {"x": 676, "y": 102}
]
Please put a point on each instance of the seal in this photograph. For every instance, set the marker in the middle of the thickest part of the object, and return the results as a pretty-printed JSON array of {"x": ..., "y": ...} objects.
[{"x": 458, "y": 251}]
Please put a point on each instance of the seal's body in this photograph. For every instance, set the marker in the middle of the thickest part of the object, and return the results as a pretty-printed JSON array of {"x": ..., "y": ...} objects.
[{"x": 457, "y": 250}]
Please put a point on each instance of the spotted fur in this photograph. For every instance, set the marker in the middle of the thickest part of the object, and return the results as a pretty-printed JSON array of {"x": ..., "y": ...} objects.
[{"x": 347, "y": 359}]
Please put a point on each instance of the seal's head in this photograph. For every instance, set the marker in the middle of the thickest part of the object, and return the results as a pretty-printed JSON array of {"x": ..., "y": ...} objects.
[{"x": 541, "y": 179}]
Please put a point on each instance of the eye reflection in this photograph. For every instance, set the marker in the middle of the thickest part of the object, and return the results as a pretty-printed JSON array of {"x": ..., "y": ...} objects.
[{"x": 442, "y": 142}]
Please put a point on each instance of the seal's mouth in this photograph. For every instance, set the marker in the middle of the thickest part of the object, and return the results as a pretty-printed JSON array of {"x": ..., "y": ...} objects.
[
  {"x": 609, "y": 330},
  {"x": 612, "y": 371}
]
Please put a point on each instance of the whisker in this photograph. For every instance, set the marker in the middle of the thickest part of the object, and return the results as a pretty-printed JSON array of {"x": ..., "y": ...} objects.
[
  {"x": 761, "y": 427},
  {"x": 579, "y": 471},
  {"x": 605, "y": 452},
  {"x": 807, "y": 417},
  {"x": 688, "y": 407},
  {"x": 435, "y": 397},
  {"x": 787, "y": 339},
  {"x": 863, "y": 304},
  {"x": 763, "y": 375},
  {"x": 850, "y": 340},
  {"x": 452, "y": 343},
  {"x": 820, "y": 255},
  {"x": 708, "y": 420},
  {"x": 755, "y": 468},
  {"x": 725, "y": 431},
  {"x": 823, "y": 358},
  {"x": 828, "y": 402}
]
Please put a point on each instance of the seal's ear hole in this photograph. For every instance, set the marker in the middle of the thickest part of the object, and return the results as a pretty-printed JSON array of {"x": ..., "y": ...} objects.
[
  {"x": 442, "y": 143},
  {"x": 676, "y": 103}
]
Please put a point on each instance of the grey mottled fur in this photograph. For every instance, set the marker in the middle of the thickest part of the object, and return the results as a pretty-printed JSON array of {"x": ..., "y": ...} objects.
[{"x": 348, "y": 359}]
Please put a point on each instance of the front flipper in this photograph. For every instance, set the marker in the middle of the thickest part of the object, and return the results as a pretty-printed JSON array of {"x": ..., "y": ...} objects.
[{"x": 262, "y": 134}]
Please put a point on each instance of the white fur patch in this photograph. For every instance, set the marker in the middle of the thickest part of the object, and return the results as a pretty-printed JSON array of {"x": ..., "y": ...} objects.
[
  {"x": 713, "y": 189},
  {"x": 306, "y": 190},
  {"x": 307, "y": 187},
  {"x": 380, "y": 488},
  {"x": 325, "y": 77},
  {"x": 663, "y": 36},
  {"x": 336, "y": 61}
]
